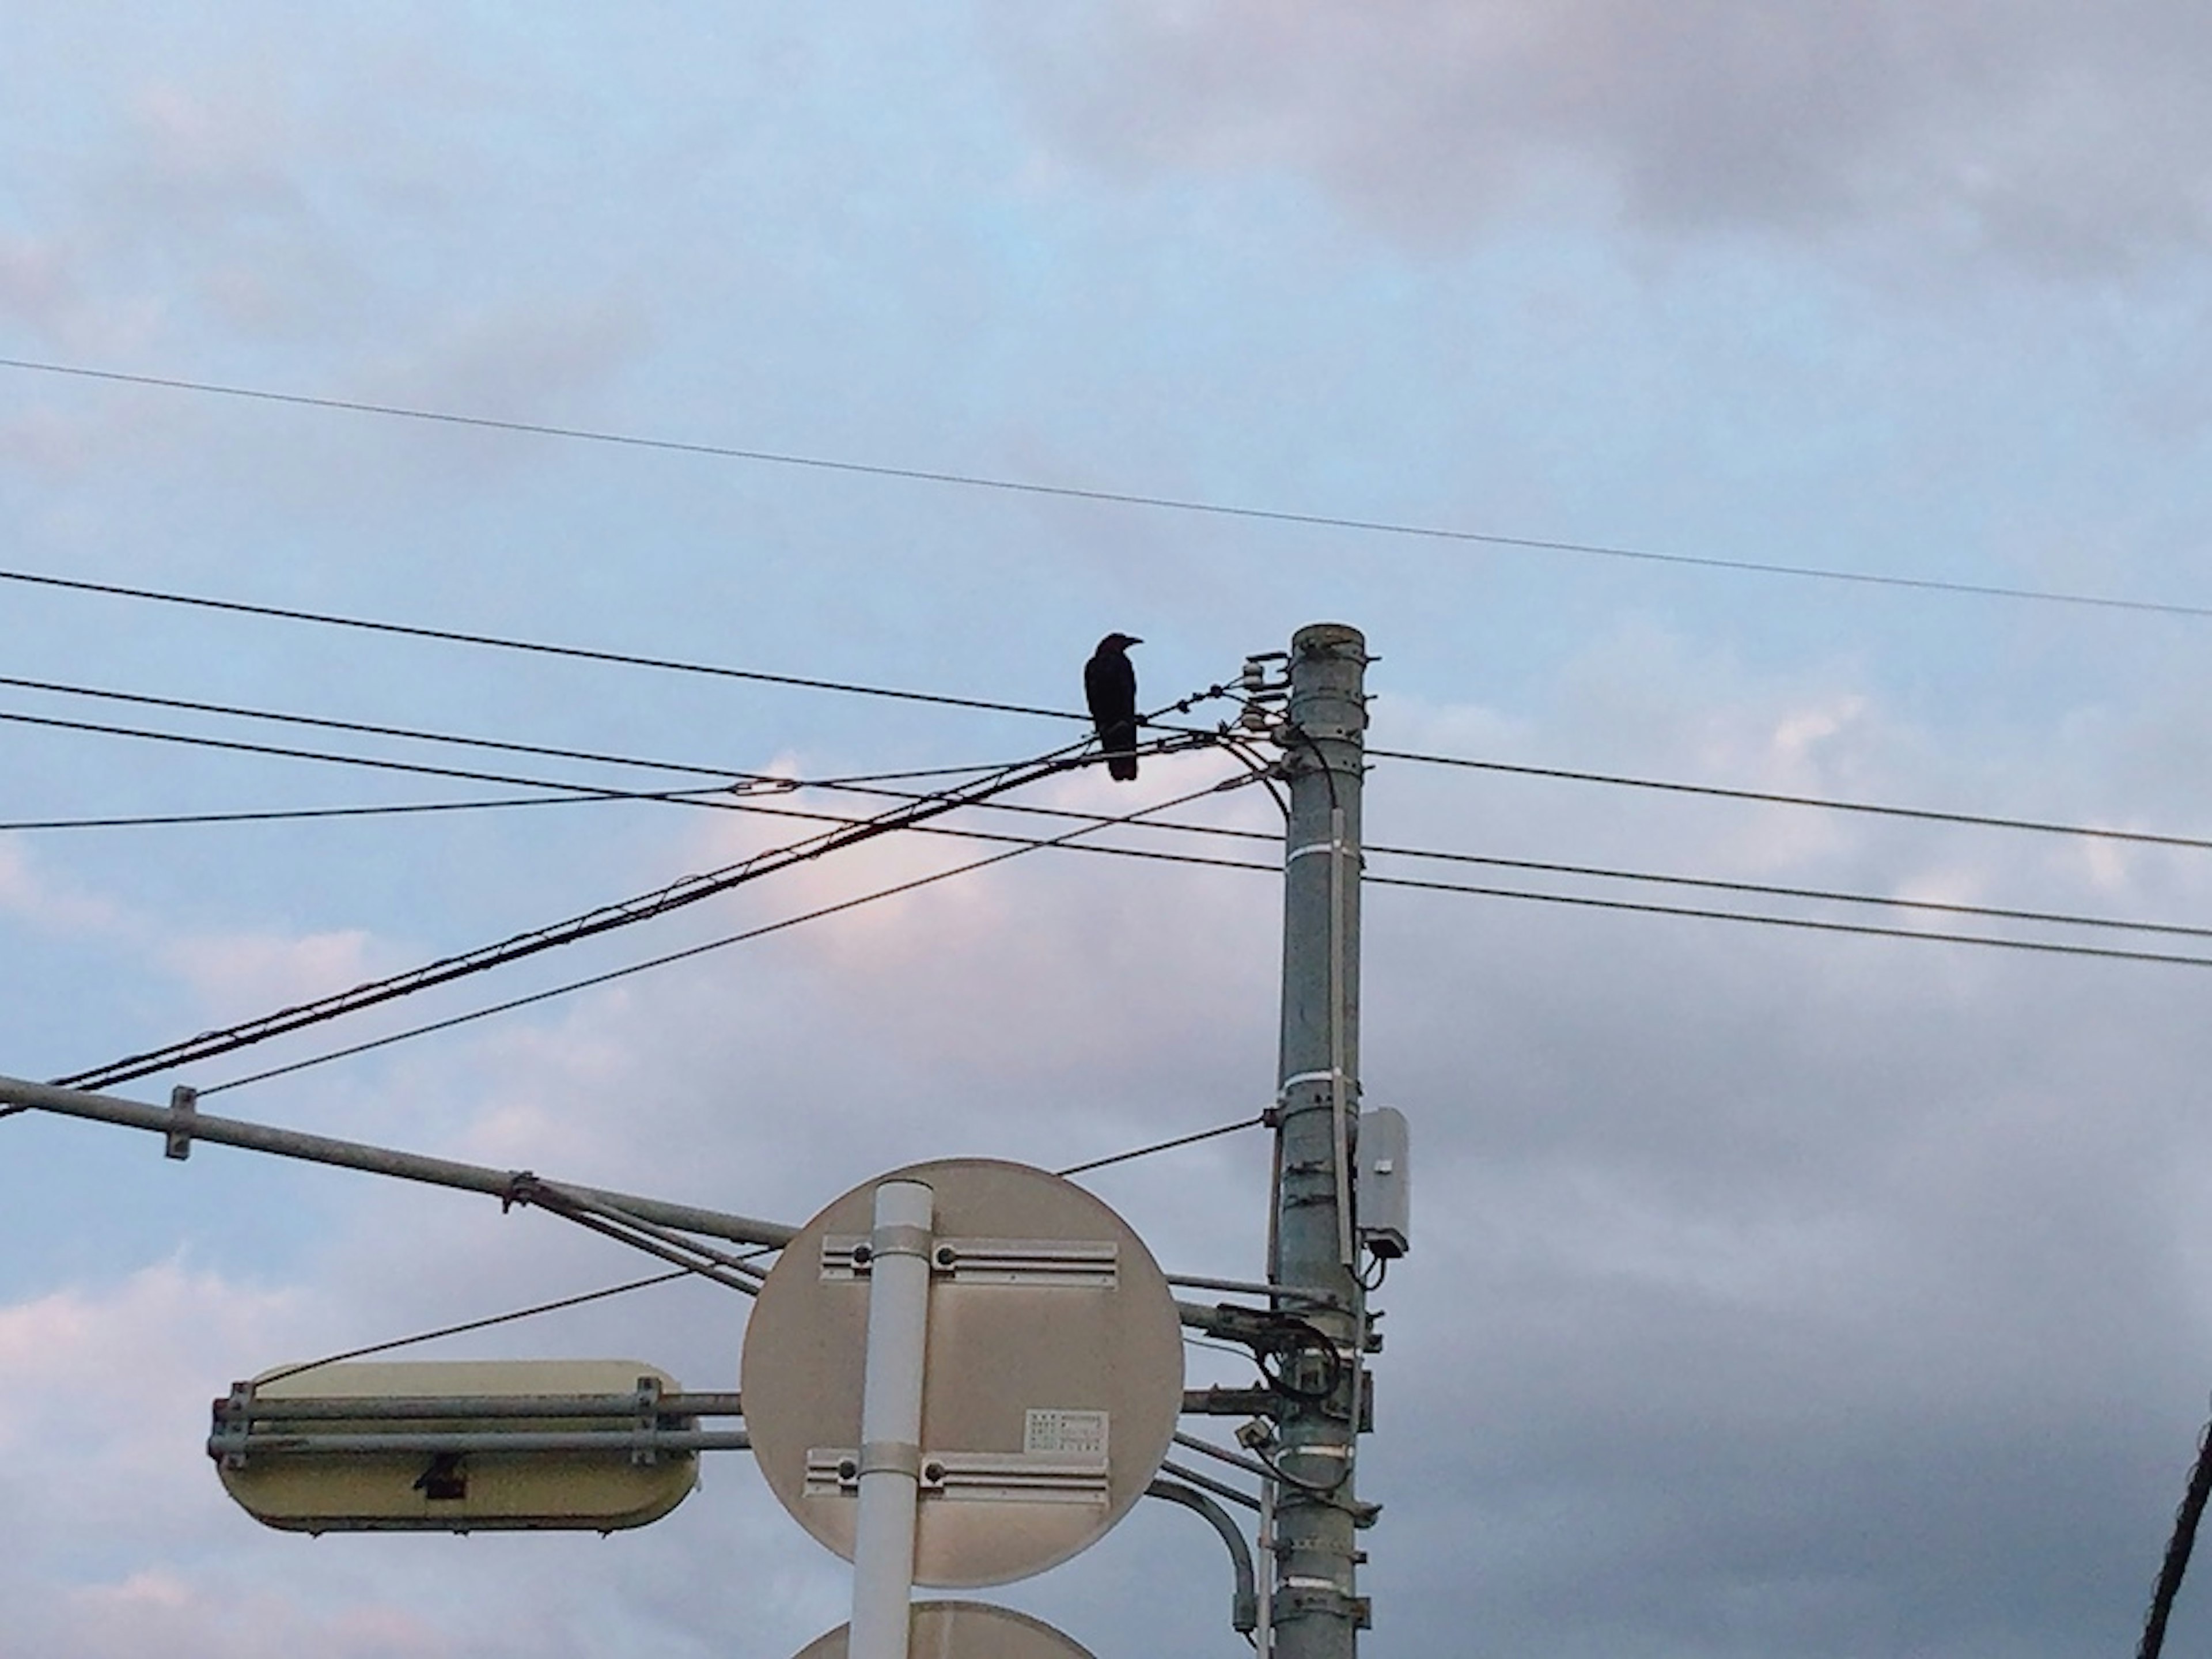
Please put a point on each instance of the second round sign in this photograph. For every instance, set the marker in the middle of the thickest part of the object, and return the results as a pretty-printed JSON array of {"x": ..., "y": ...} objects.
[{"x": 1052, "y": 1380}]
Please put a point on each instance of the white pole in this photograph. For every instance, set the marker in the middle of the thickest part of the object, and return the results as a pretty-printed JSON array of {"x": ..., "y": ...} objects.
[{"x": 890, "y": 1420}]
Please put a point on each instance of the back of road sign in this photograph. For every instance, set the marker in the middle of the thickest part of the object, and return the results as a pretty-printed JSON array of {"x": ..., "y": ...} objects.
[
  {"x": 321, "y": 1472},
  {"x": 1051, "y": 1379},
  {"x": 965, "y": 1630}
]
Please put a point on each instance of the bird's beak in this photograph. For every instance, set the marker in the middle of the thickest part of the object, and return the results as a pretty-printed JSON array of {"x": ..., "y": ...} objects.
[{"x": 1134, "y": 640}]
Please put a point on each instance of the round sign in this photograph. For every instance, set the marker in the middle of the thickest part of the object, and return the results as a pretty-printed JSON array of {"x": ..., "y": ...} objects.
[
  {"x": 1051, "y": 1385},
  {"x": 965, "y": 1630}
]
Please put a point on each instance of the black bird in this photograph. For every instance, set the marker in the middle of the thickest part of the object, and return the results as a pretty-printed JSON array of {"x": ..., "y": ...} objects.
[{"x": 1109, "y": 686}]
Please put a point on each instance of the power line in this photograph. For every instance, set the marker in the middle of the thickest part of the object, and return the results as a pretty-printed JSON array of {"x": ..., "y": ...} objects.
[
  {"x": 396, "y": 809},
  {"x": 411, "y": 734},
  {"x": 841, "y": 905},
  {"x": 1117, "y": 497},
  {"x": 1534, "y": 866},
  {"x": 537, "y": 648},
  {"x": 1861, "y": 929},
  {"x": 1024, "y": 844},
  {"x": 475, "y": 1325},
  {"x": 691, "y": 890},
  {"x": 1165, "y": 1145},
  {"x": 1720, "y": 792},
  {"x": 417, "y": 734},
  {"x": 420, "y": 769},
  {"x": 710, "y": 798},
  {"x": 698, "y": 768}
]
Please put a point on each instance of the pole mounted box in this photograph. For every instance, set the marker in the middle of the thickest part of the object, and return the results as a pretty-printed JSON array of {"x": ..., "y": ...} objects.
[{"x": 1385, "y": 1194}]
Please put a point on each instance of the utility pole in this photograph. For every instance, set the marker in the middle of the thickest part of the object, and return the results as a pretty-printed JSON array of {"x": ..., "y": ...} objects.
[{"x": 1313, "y": 1252}]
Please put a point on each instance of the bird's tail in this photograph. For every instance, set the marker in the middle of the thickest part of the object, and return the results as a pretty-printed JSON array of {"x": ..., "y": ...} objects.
[{"x": 1122, "y": 768}]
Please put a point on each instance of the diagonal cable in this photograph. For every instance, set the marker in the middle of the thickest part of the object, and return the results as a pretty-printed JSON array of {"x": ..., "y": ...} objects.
[
  {"x": 728, "y": 940},
  {"x": 677, "y": 895}
]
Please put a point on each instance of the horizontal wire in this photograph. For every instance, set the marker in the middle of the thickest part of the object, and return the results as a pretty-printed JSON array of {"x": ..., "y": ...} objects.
[
  {"x": 365, "y": 728},
  {"x": 689, "y": 951},
  {"x": 1996, "y": 913},
  {"x": 455, "y": 636},
  {"x": 1826, "y": 804},
  {"x": 686, "y": 891},
  {"x": 1113, "y": 497},
  {"x": 701, "y": 770},
  {"x": 416, "y": 734},
  {"x": 396, "y": 809},
  {"x": 709, "y": 798},
  {"x": 1577, "y": 901},
  {"x": 1862, "y": 929},
  {"x": 238, "y": 745},
  {"x": 1596, "y": 902}
]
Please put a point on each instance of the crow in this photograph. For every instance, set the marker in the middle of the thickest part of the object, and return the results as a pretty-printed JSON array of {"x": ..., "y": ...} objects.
[{"x": 1109, "y": 686}]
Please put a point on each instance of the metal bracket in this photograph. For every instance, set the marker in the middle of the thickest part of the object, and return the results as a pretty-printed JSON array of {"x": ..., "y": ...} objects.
[
  {"x": 973, "y": 1477},
  {"x": 1025, "y": 1261},
  {"x": 184, "y": 1107},
  {"x": 648, "y": 1420}
]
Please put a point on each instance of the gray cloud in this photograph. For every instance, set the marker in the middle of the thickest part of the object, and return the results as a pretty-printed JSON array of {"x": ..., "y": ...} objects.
[{"x": 2070, "y": 139}]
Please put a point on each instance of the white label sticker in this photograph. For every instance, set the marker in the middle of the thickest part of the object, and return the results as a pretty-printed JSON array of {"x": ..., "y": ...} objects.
[{"x": 1065, "y": 1434}]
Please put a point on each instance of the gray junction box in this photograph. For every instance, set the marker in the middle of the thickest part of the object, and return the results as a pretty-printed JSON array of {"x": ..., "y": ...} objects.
[{"x": 1385, "y": 1189}]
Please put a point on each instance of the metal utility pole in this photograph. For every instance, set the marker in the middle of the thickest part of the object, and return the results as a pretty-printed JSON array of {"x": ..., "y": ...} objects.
[{"x": 1313, "y": 1252}]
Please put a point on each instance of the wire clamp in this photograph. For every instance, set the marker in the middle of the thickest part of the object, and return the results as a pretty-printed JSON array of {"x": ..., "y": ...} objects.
[{"x": 184, "y": 1107}]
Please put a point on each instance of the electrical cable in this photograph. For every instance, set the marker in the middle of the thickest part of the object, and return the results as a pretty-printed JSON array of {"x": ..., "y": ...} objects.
[
  {"x": 1111, "y": 497},
  {"x": 600, "y": 757},
  {"x": 1164, "y": 1145},
  {"x": 697, "y": 797},
  {"x": 706, "y": 797},
  {"x": 1924, "y": 814},
  {"x": 2179, "y": 1548},
  {"x": 396, "y": 809},
  {"x": 365, "y": 728},
  {"x": 454, "y": 636},
  {"x": 477, "y": 1324},
  {"x": 236, "y": 746},
  {"x": 689, "y": 951},
  {"x": 691, "y": 890},
  {"x": 1829, "y": 895},
  {"x": 1860, "y": 929},
  {"x": 414, "y": 734}
]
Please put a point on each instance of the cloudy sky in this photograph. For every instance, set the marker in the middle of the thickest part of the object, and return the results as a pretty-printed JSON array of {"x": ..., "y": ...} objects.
[{"x": 1774, "y": 1290}]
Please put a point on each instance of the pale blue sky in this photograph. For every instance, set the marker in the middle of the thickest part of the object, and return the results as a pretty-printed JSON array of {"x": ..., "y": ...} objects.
[{"x": 1774, "y": 1293}]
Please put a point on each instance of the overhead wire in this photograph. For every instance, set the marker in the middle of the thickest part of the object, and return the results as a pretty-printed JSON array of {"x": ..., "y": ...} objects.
[
  {"x": 689, "y": 951},
  {"x": 537, "y": 648},
  {"x": 238, "y": 745},
  {"x": 715, "y": 798},
  {"x": 855, "y": 780},
  {"x": 391, "y": 809},
  {"x": 1825, "y": 803},
  {"x": 1165, "y": 1145},
  {"x": 417, "y": 734},
  {"x": 1534, "y": 866},
  {"x": 1864, "y": 930},
  {"x": 1039, "y": 488},
  {"x": 477, "y": 1324},
  {"x": 677, "y": 895}
]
